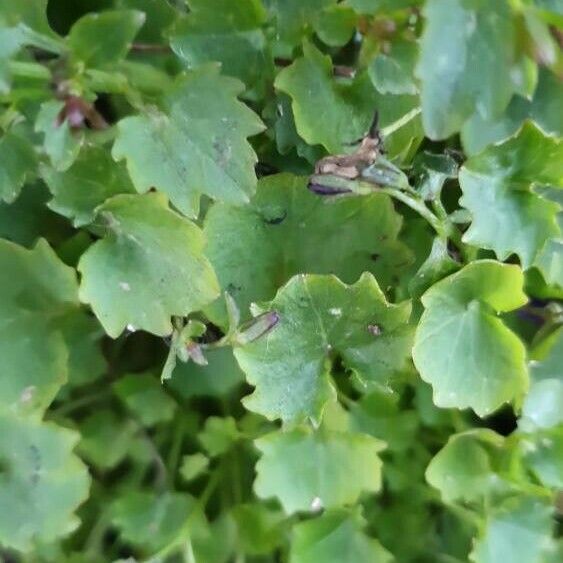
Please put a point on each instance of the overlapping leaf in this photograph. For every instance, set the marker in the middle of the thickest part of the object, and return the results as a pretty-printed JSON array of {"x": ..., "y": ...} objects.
[
  {"x": 196, "y": 145},
  {"x": 226, "y": 32},
  {"x": 42, "y": 482},
  {"x": 334, "y": 537},
  {"x": 286, "y": 230},
  {"x": 347, "y": 108},
  {"x": 310, "y": 470},
  {"x": 508, "y": 216},
  {"x": 92, "y": 178},
  {"x": 36, "y": 289},
  {"x": 321, "y": 318},
  {"x": 149, "y": 267},
  {"x": 462, "y": 348},
  {"x": 456, "y": 69}
]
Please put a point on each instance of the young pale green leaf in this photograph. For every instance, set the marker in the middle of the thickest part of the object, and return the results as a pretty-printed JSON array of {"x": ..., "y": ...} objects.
[
  {"x": 218, "y": 435},
  {"x": 92, "y": 178},
  {"x": 17, "y": 164},
  {"x": 226, "y": 32},
  {"x": 193, "y": 466},
  {"x": 196, "y": 145},
  {"x": 310, "y": 470},
  {"x": 462, "y": 348},
  {"x": 103, "y": 38},
  {"x": 456, "y": 69},
  {"x": 518, "y": 531},
  {"x": 335, "y": 537},
  {"x": 466, "y": 467},
  {"x": 508, "y": 217},
  {"x": 145, "y": 397},
  {"x": 42, "y": 482},
  {"x": 61, "y": 144},
  {"x": 320, "y": 318},
  {"x": 347, "y": 107},
  {"x": 286, "y": 230},
  {"x": 149, "y": 267},
  {"x": 35, "y": 288}
]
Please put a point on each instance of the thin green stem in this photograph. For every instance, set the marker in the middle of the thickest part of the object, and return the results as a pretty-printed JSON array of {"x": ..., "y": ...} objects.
[
  {"x": 418, "y": 206},
  {"x": 396, "y": 125},
  {"x": 176, "y": 447}
]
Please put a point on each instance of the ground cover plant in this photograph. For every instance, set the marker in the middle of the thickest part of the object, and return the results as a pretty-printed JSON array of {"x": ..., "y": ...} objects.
[{"x": 281, "y": 281}]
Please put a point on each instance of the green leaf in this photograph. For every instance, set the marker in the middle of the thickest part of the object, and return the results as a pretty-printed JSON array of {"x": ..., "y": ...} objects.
[
  {"x": 61, "y": 144},
  {"x": 39, "y": 470},
  {"x": 508, "y": 216},
  {"x": 261, "y": 530},
  {"x": 145, "y": 398},
  {"x": 335, "y": 25},
  {"x": 82, "y": 334},
  {"x": 335, "y": 537},
  {"x": 90, "y": 180},
  {"x": 193, "y": 466},
  {"x": 542, "y": 452},
  {"x": 378, "y": 415},
  {"x": 226, "y": 32},
  {"x": 456, "y": 69},
  {"x": 28, "y": 218},
  {"x": 294, "y": 18},
  {"x": 218, "y": 378},
  {"x": 377, "y": 6},
  {"x": 35, "y": 289},
  {"x": 477, "y": 132},
  {"x": 393, "y": 73},
  {"x": 462, "y": 349},
  {"x": 149, "y": 267},
  {"x": 547, "y": 357},
  {"x": 286, "y": 230},
  {"x": 17, "y": 164},
  {"x": 466, "y": 467},
  {"x": 197, "y": 145},
  {"x": 152, "y": 520},
  {"x": 32, "y": 13},
  {"x": 100, "y": 430},
  {"x": 437, "y": 266},
  {"x": 519, "y": 531},
  {"x": 218, "y": 435},
  {"x": 542, "y": 407},
  {"x": 347, "y": 107},
  {"x": 320, "y": 318},
  {"x": 309, "y": 470},
  {"x": 117, "y": 28}
]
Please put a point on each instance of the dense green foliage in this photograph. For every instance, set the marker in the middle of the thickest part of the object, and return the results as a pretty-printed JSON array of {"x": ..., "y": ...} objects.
[{"x": 243, "y": 321}]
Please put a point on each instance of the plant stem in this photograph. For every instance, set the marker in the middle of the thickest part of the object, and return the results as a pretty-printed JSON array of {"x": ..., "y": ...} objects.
[{"x": 419, "y": 207}]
